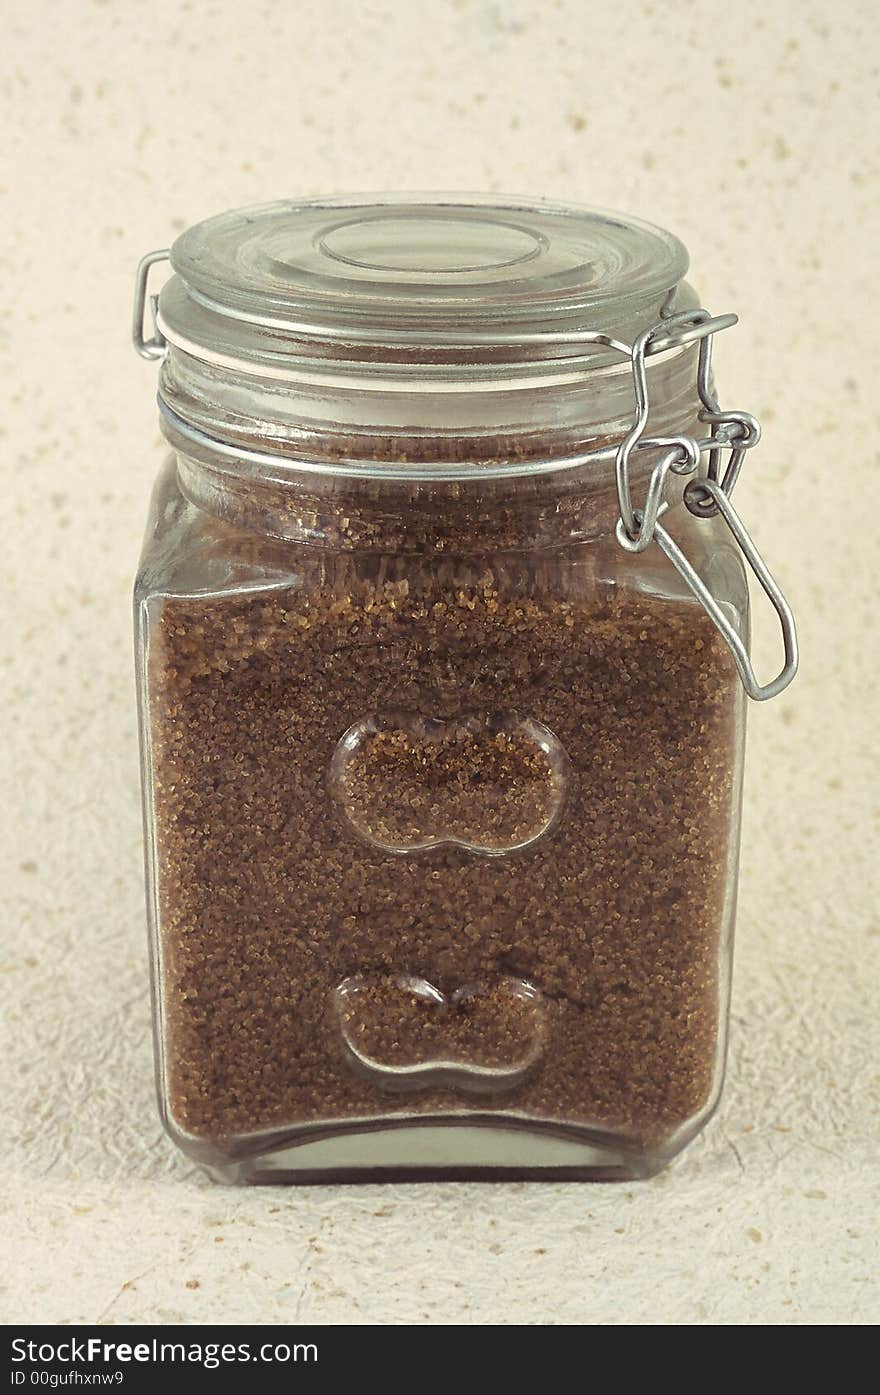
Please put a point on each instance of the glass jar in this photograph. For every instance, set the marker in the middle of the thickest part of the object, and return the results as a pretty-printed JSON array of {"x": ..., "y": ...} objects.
[{"x": 441, "y": 621}]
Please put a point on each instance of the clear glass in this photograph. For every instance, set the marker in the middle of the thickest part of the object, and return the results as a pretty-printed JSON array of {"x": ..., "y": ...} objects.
[
  {"x": 442, "y": 845},
  {"x": 441, "y": 785}
]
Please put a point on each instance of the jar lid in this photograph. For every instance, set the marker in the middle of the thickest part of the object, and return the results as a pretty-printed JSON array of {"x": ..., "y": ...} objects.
[{"x": 414, "y": 278}]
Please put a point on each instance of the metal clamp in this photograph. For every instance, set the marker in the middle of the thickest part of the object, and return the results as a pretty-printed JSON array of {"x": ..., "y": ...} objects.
[
  {"x": 155, "y": 346},
  {"x": 706, "y": 496},
  {"x": 721, "y": 622}
]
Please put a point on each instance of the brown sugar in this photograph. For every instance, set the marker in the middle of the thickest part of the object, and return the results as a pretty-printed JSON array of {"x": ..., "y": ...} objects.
[{"x": 440, "y": 833}]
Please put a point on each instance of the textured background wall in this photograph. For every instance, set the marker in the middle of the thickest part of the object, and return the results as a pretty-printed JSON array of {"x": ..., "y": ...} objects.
[{"x": 745, "y": 128}]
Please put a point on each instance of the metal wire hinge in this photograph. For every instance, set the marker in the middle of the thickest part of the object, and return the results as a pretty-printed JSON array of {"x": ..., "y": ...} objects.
[
  {"x": 705, "y": 497},
  {"x": 154, "y": 346}
]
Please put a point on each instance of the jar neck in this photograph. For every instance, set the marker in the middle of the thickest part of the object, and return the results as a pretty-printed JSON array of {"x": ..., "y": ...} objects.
[{"x": 353, "y": 463}]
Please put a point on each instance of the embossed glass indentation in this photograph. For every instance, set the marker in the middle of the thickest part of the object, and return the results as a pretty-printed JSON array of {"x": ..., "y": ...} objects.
[
  {"x": 403, "y": 1033},
  {"x": 492, "y": 783}
]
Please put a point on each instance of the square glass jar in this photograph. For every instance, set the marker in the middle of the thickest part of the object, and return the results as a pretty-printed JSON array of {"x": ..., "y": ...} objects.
[{"x": 442, "y": 782}]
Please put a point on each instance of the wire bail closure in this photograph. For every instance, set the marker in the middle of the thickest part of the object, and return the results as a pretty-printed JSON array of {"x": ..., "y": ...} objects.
[{"x": 705, "y": 497}]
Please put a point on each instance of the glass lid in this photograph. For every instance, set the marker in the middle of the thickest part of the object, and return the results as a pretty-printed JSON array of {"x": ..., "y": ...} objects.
[{"x": 415, "y": 278}]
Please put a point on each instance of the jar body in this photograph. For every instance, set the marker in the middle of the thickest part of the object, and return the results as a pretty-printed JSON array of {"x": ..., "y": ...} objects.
[{"x": 442, "y": 841}]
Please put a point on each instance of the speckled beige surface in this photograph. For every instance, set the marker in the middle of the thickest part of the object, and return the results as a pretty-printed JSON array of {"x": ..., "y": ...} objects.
[{"x": 744, "y": 127}]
